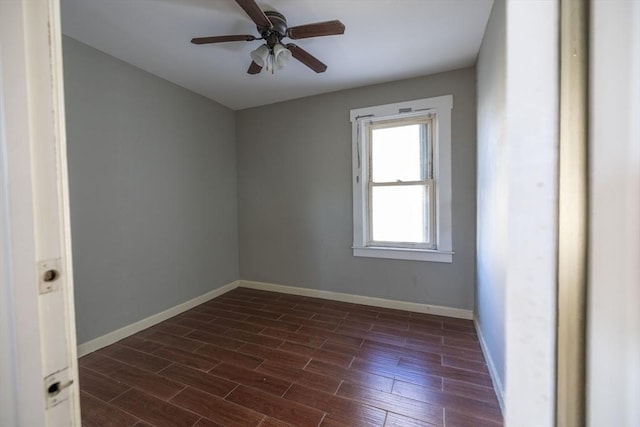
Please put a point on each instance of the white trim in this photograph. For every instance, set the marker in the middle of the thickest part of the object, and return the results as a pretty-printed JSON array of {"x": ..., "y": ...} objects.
[
  {"x": 528, "y": 253},
  {"x": 436, "y": 102},
  {"x": 117, "y": 335},
  {"x": 441, "y": 107},
  {"x": 359, "y": 299},
  {"x": 404, "y": 253},
  {"x": 493, "y": 372}
]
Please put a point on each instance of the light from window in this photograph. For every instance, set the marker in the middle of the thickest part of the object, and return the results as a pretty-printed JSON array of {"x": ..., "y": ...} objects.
[
  {"x": 398, "y": 214},
  {"x": 399, "y": 181}
]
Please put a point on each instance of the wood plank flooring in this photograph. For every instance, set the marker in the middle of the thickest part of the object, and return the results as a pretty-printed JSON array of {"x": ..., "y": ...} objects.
[{"x": 257, "y": 358}]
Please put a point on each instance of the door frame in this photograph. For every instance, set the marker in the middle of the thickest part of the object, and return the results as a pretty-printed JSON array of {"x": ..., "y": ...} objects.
[{"x": 37, "y": 332}]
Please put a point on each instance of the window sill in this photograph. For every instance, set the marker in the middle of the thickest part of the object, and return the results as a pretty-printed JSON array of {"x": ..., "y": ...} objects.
[{"x": 404, "y": 254}]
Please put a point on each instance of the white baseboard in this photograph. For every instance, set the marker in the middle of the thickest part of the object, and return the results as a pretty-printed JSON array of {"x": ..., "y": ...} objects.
[
  {"x": 117, "y": 335},
  {"x": 358, "y": 299},
  {"x": 493, "y": 372}
]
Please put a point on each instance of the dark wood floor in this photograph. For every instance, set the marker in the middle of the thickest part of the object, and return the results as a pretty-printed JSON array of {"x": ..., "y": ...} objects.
[{"x": 254, "y": 358}]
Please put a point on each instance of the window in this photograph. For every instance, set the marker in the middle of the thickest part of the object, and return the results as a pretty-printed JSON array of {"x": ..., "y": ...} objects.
[{"x": 402, "y": 180}]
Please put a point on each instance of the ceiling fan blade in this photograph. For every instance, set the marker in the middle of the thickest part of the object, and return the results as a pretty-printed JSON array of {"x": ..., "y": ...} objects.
[
  {"x": 255, "y": 13},
  {"x": 306, "y": 58},
  {"x": 221, "y": 39},
  {"x": 254, "y": 68},
  {"x": 326, "y": 28}
]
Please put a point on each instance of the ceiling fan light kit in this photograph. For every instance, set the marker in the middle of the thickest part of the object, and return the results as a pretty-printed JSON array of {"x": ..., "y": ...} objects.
[
  {"x": 261, "y": 55},
  {"x": 281, "y": 55},
  {"x": 272, "y": 26},
  {"x": 271, "y": 59}
]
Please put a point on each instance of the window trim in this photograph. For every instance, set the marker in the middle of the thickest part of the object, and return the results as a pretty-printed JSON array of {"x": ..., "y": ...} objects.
[{"x": 440, "y": 107}]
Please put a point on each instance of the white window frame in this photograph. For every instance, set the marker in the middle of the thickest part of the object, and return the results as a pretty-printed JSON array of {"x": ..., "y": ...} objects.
[
  {"x": 371, "y": 124},
  {"x": 439, "y": 109}
]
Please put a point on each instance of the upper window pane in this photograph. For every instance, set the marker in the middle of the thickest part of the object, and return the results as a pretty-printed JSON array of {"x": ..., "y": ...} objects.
[{"x": 398, "y": 153}]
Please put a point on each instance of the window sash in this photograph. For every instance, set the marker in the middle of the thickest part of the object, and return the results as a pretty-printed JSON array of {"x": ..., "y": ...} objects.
[
  {"x": 428, "y": 219},
  {"x": 426, "y": 142},
  {"x": 427, "y": 172}
]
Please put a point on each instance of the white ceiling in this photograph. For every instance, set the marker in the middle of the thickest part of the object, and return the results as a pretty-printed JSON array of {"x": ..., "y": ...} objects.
[{"x": 385, "y": 40}]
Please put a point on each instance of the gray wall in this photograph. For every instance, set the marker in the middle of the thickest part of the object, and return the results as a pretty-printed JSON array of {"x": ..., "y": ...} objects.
[
  {"x": 295, "y": 205},
  {"x": 153, "y": 191},
  {"x": 492, "y": 188}
]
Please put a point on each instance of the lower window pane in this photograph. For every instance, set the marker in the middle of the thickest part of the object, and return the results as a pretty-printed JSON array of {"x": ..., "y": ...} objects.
[{"x": 398, "y": 214}]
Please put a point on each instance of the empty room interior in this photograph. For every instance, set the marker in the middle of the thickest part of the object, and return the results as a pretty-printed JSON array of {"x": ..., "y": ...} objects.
[
  {"x": 257, "y": 241},
  {"x": 219, "y": 277}
]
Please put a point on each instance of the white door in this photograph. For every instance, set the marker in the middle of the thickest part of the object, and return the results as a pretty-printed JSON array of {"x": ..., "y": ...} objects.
[{"x": 37, "y": 322}]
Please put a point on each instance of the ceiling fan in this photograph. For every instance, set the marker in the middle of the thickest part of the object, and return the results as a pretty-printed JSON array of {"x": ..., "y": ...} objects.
[{"x": 272, "y": 27}]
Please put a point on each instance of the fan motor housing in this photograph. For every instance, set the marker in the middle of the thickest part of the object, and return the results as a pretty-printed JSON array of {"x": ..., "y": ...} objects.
[{"x": 278, "y": 24}]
